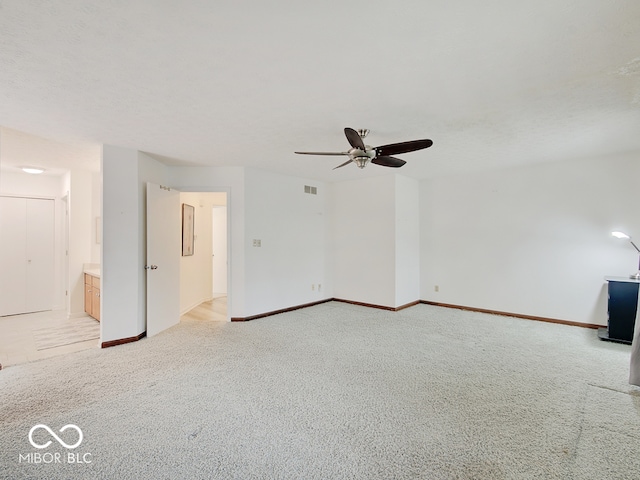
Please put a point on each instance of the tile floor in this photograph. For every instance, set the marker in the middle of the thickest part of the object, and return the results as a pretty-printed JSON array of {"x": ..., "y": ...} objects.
[{"x": 19, "y": 334}]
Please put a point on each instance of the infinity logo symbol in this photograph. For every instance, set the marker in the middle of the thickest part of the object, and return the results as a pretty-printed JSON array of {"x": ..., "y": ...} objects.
[{"x": 59, "y": 440}]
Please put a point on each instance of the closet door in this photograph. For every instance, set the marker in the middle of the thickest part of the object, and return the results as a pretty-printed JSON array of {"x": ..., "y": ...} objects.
[
  {"x": 26, "y": 255},
  {"x": 40, "y": 254}
]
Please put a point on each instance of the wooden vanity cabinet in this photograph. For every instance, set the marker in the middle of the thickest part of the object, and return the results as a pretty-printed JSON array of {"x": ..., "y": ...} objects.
[{"x": 92, "y": 296}]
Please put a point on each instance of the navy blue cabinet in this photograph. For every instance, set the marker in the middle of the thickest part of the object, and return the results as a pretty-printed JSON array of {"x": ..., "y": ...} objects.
[{"x": 622, "y": 308}]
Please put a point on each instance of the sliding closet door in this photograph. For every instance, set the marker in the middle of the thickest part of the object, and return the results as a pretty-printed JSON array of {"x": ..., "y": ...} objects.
[
  {"x": 26, "y": 255},
  {"x": 40, "y": 254}
]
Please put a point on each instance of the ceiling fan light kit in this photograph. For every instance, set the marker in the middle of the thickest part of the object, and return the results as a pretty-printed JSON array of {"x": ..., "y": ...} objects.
[{"x": 362, "y": 154}]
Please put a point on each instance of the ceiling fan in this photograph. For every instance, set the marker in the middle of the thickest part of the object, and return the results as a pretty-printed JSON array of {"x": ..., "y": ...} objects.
[{"x": 361, "y": 154}]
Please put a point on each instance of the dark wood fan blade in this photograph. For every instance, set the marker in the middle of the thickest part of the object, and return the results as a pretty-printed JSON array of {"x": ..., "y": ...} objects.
[
  {"x": 322, "y": 153},
  {"x": 345, "y": 163},
  {"x": 403, "y": 147},
  {"x": 355, "y": 140},
  {"x": 388, "y": 161}
]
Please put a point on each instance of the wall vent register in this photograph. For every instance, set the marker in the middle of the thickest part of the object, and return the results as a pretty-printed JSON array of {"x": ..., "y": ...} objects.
[{"x": 310, "y": 190}]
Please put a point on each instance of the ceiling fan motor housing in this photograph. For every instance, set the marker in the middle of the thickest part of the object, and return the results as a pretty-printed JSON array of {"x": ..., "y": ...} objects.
[{"x": 362, "y": 157}]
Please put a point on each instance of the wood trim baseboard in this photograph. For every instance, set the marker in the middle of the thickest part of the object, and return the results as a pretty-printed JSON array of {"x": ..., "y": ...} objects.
[
  {"x": 122, "y": 341},
  {"x": 297, "y": 307},
  {"x": 516, "y": 315},
  {"x": 380, "y": 307},
  {"x": 363, "y": 304},
  {"x": 282, "y": 310}
]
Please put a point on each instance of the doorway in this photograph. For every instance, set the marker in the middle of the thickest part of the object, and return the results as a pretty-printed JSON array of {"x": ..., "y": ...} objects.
[
  {"x": 179, "y": 277},
  {"x": 204, "y": 272}
]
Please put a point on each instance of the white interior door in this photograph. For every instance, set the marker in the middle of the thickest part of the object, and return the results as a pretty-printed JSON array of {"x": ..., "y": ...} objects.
[
  {"x": 40, "y": 254},
  {"x": 164, "y": 239}
]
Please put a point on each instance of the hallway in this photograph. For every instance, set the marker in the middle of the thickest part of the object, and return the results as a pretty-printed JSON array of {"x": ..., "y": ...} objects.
[{"x": 214, "y": 310}]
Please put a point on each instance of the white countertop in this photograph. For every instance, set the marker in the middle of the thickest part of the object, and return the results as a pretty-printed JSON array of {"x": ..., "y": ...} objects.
[
  {"x": 621, "y": 279},
  {"x": 95, "y": 272}
]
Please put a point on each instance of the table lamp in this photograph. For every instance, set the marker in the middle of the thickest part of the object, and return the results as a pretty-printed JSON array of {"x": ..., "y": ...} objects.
[{"x": 624, "y": 235}]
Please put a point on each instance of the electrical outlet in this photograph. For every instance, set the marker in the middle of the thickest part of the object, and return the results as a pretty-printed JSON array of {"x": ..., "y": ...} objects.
[
  {"x": 319, "y": 286},
  {"x": 257, "y": 243},
  {"x": 436, "y": 288},
  {"x": 313, "y": 286}
]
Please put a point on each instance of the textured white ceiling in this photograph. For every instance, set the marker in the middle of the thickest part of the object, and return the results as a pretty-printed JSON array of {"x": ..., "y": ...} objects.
[{"x": 493, "y": 83}]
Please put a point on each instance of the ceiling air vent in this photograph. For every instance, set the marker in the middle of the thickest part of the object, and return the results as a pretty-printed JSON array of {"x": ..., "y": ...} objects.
[{"x": 311, "y": 190}]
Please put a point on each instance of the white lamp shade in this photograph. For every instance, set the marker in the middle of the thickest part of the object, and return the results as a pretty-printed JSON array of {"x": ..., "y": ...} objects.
[{"x": 620, "y": 235}]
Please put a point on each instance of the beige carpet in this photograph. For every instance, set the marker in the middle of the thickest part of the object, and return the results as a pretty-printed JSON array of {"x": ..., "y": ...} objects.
[{"x": 335, "y": 391}]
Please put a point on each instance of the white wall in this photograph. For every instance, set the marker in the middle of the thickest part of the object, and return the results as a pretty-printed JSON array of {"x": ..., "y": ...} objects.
[
  {"x": 291, "y": 225},
  {"x": 363, "y": 240},
  {"x": 407, "y": 242},
  {"x": 25, "y": 185},
  {"x": 220, "y": 249},
  {"x": 120, "y": 237},
  {"x": 376, "y": 240},
  {"x": 79, "y": 186},
  {"x": 533, "y": 240},
  {"x": 96, "y": 219}
]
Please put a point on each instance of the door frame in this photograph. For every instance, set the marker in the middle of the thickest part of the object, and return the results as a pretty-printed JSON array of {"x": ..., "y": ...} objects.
[
  {"x": 66, "y": 287},
  {"x": 215, "y": 266}
]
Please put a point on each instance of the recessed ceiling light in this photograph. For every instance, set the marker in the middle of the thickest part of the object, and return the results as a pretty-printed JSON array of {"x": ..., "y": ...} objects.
[{"x": 33, "y": 170}]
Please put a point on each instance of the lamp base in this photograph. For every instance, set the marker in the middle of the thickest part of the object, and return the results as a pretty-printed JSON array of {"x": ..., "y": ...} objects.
[{"x": 635, "y": 276}]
